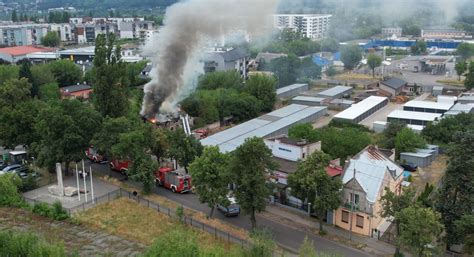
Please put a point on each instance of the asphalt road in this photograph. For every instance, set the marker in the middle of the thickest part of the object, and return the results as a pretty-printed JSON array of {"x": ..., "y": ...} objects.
[{"x": 286, "y": 236}]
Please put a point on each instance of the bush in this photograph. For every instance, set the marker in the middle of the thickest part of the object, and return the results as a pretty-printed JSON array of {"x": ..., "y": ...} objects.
[
  {"x": 58, "y": 212},
  {"x": 262, "y": 244},
  {"x": 43, "y": 209},
  {"x": 180, "y": 213},
  {"x": 27, "y": 245},
  {"x": 55, "y": 212},
  {"x": 29, "y": 183},
  {"x": 9, "y": 195}
]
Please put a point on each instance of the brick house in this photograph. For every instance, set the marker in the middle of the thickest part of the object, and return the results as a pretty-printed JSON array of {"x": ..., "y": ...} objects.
[{"x": 82, "y": 91}]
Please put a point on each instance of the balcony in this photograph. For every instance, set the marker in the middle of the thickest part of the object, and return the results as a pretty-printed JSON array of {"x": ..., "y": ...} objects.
[{"x": 348, "y": 206}]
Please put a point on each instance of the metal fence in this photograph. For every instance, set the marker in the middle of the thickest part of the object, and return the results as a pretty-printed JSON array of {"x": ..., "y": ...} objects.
[{"x": 226, "y": 236}]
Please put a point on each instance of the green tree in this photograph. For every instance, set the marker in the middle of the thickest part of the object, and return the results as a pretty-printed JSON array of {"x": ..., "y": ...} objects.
[
  {"x": 351, "y": 56},
  {"x": 210, "y": 177},
  {"x": 460, "y": 68},
  {"x": 220, "y": 79},
  {"x": 110, "y": 81},
  {"x": 419, "y": 227},
  {"x": 14, "y": 16},
  {"x": 184, "y": 148},
  {"x": 285, "y": 69},
  {"x": 143, "y": 170},
  {"x": 418, "y": 48},
  {"x": 41, "y": 75},
  {"x": 9, "y": 194},
  {"x": 262, "y": 88},
  {"x": 13, "y": 92},
  {"x": 311, "y": 181},
  {"x": 304, "y": 131},
  {"x": 66, "y": 129},
  {"x": 159, "y": 143},
  {"x": 465, "y": 228},
  {"x": 374, "y": 61},
  {"x": 341, "y": 143},
  {"x": 8, "y": 72},
  {"x": 49, "y": 92},
  {"x": 465, "y": 50},
  {"x": 25, "y": 72},
  {"x": 109, "y": 133},
  {"x": 443, "y": 132},
  {"x": 331, "y": 71},
  {"x": 329, "y": 45},
  {"x": 469, "y": 81},
  {"x": 249, "y": 165},
  {"x": 390, "y": 133},
  {"x": 456, "y": 197},
  {"x": 51, "y": 39},
  {"x": 392, "y": 205},
  {"x": 309, "y": 70},
  {"x": 65, "y": 72},
  {"x": 407, "y": 141}
]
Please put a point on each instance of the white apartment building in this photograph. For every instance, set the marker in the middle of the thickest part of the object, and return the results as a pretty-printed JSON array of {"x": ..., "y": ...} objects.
[
  {"x": 22, "y": 34},
  {"x": 64, "y": 31},
  {"x": 312, "y": 26}
]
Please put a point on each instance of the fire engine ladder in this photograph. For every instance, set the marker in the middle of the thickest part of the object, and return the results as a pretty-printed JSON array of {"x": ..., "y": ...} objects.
[{"x": 186, "y": 127}]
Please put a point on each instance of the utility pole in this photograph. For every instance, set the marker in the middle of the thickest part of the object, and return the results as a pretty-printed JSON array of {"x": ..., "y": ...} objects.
[{"x": 352, "y": 205}]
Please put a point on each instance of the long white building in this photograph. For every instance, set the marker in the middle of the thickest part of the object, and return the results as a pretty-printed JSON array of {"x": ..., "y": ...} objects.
[{"x": 312, "y": 26}]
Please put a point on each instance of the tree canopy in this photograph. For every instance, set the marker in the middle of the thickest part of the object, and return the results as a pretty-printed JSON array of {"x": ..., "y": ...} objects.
[
  {"x": 351, "y": 56},
  {"x": 51, "y": 39},
  {"x": 374, "y": 61},
  {"x": 418, "y": 48},
  {"x": 304, "y": 131},
  {"x": 249, "y": 165},
  {"x": 66, "y": 72},
  {"x": 211, "y": 177},
  {"x": 407, "y": 141}
]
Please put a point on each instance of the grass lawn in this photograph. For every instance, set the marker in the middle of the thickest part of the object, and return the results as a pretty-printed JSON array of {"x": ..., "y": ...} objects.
[
  {"x": 452, "y": 82},
  {"x": 126, "y": 218},
  {"x": 199, "y": 216}
]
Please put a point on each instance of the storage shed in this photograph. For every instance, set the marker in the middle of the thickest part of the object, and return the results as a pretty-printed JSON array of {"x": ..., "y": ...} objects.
[
  {"x": 379, "y": 126},
  {"x": 359, "y": 111},
  {"x": 420, "y": 159},
  {"x": 308, "y": 100},
  {"x": 437, "y": 90},
  {"x": 335, "y": 92},
  {"x": 426, "y": 106},
  {"x": 272, "y": 124},
  {"x": 291, "y": 90},
  {"x": 413, "y": 118}
]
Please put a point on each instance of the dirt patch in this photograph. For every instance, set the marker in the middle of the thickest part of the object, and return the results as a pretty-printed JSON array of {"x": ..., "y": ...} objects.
[{"x": 431, "y": 174}]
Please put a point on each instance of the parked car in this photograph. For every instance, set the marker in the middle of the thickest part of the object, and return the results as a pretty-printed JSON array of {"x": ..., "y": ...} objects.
[
  {"x": 25, "y": 172},
  {"x": 11, "y": 168},
  {"x": 409, "y": 166},
  {"x": 3, "y": 164},
  {"x": 229, "y": 209}
]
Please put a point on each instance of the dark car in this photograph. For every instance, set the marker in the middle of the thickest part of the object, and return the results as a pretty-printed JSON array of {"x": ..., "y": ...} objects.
[
  {"x": 409, "y": 166},
  {"x": 11, "y": 168},
  {"x": 230, "y": 209}
]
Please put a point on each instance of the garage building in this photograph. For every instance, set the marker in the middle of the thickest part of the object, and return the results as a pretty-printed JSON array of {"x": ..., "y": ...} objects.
[
  {"x": 308, "y": 100},
  {"x": 291, "y": 90},
  {"x": 425, "y": 106},
  {"x": 413, "y": 118},
  {"x": 360, "y": 111},
  {"x": 335, "y": 92}
]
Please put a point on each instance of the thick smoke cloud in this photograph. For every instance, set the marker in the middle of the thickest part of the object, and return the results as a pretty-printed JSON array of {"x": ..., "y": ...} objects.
[{"x": 188, "y": 25}]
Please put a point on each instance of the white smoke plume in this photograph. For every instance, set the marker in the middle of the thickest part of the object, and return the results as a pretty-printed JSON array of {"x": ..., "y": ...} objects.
[{"x": 187, "y": 26}]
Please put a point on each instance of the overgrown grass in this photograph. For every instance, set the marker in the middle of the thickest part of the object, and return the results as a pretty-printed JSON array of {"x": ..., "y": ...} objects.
[{"x": 28, "y": 245}]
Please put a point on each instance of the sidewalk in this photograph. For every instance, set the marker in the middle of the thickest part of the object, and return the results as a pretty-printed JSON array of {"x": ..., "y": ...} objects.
[{"x": 300, "y": 221}]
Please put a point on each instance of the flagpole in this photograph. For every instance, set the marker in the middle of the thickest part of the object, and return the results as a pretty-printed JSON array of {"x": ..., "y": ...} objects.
[
  {"x": 92, "y": 185},
  {"x": 77, "y": 182}
]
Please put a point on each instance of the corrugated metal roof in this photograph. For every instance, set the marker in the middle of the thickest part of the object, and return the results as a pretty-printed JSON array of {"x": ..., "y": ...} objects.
[
  {"x": 309, "y": 99},
  {"x": 426, "y": 116},
  {"x": 359, "y": 108},
  {"x": 394, "y": 83},
  {"x": 289, "y": 88},
  {"x": 428, "y": 105},
  {"x": 228, "y": 140},
  {"x": 335, "y": 91},
  {"x": 370, "y": 167}
]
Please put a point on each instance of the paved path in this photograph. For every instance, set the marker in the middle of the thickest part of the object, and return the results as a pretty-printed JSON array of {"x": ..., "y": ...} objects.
[
  {"x": 286, "y": 236},
  {"x": 85, "y": 241}
]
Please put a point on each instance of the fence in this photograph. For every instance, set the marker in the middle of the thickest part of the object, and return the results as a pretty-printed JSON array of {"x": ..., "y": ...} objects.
[{"x": 226, "y": 236}]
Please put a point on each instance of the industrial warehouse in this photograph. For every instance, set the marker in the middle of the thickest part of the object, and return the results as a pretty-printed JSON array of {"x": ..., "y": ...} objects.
[
  {"x": 272, "y": 124},
  {"x": 358, "y": 112}
]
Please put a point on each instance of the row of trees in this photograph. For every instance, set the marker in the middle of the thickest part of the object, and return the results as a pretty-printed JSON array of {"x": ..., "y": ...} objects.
[
  {"x": 291, "y": 69},
  {"x": 223, "y": 94},
  {"x": 464, "y": 69}
]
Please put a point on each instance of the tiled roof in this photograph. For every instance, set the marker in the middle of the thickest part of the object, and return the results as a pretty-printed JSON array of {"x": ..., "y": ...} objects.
[{"x": 23, "y": 50}]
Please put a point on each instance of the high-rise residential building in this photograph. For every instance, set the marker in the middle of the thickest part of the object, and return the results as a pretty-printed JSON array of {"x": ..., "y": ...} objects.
[{"x": 312, "y": 26}]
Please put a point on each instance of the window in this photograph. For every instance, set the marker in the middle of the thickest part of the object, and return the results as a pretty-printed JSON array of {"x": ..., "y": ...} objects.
[
  {"x": 360, "y": 221},
  {"x": 345, "y": 217},
  {"x": 355, "y": 199}
]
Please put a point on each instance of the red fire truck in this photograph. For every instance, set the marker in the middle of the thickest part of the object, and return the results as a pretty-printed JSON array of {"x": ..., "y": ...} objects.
[
  {"x": 173, "y": 180},
  {"x": 92, "y": 155},
  {"x": 119, "y": 165}
]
